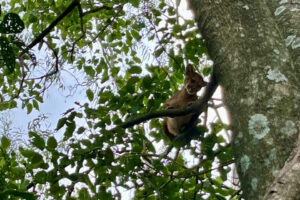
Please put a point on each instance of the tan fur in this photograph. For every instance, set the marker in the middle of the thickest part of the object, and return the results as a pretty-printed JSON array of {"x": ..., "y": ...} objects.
[{"x": 183, "y": 98}]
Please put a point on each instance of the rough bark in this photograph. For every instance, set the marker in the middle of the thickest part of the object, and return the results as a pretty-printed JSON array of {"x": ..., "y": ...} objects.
[
  {"x": 287, "y": 183},
  {"x": 256, "y": 49}
]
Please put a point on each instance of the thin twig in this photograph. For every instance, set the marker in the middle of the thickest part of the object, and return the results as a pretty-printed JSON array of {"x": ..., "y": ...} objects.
[{"x": 56, "y": 64}]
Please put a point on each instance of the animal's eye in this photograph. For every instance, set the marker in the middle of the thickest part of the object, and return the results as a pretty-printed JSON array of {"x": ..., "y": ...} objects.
[{"x": 193, "y": 81}]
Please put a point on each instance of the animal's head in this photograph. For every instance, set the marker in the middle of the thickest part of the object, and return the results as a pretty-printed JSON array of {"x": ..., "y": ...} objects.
[{"x": 193, "y": 81}]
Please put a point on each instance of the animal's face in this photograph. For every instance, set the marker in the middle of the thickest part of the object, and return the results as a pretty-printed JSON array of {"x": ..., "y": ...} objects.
[{"x": 193, "y": 81}]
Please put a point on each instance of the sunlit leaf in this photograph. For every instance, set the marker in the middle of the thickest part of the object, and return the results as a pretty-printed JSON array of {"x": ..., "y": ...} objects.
[{"x": 5, "y": 143}]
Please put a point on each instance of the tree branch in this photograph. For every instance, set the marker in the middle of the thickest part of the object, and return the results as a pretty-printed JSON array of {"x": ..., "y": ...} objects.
[
  {"x": 46, "y": 31},
  {"x": 97, "y": 10},
  {"x": 53, "y": 71},
  {"x": 287, "y": 184},
  {"x": 199, "y": 106}
]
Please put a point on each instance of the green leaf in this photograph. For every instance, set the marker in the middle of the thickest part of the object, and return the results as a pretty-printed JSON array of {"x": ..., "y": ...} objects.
[
  {"x": 34, "y": 158},
  {"x": 156, "y": 12},
  {"x": 84, "y": 194},
  {"x": 27, "y": 153},
  {"x": 40, "y": 177},
  {"x": 23, "y": 195},
  {"x": 5, "y": 143},
  {"x": 135, "y": 70},
  {"x": 35, "y": 105},
  {"x": 51, "y": 143},
  {"x": 90, "y": 94},
  {"x": 39, "y": 99},
  {"x": 135, "y": 3},
  {"x": 37, "y": 160},
  {"x": 37, "y": 141},
  {"x": 30, "y": 18},
  {"x": 71, "y": 126},
  {"x": 133, "y": 80},
  {"x": 207, "y": 71},
  {"x": 8, "y": 55},
  {"x": 105, "y": 77},
  {"x": 129, "y": 89},
  {"x": 218, "y": 126},
  {"x": 158, "y": 52},
  {"x": 135, "y": 35},
  {"x": 147, "y": 82},
  {"x": 18, "y": 172},
  {"x": 115, "y": 71},
  {"x": 61, "y": 122},
  {"x": 89, "y": 70},
  {"x": 11, "y": 23},
  {"x": 29, "y": 108},
  {"x": 80, "y": 130},
  {"x": 137, "y": 60}
]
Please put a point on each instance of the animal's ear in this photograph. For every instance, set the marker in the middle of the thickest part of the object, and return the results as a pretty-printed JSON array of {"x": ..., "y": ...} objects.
[{"x": 189, "y": 69}]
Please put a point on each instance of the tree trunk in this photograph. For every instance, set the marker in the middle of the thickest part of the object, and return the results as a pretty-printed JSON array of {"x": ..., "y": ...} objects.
[{"x": 255, "y": 46}]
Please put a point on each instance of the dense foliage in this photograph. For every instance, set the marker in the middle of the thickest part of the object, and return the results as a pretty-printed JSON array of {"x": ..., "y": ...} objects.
[{"x": 130, "y": 57}]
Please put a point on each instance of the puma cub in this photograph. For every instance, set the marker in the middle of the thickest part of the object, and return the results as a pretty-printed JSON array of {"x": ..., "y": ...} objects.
[{"x": 183, "y": 98}]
